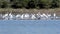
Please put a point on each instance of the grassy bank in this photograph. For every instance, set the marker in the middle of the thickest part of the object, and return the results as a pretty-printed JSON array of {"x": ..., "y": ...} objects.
[{"x": 34, "y": 11}]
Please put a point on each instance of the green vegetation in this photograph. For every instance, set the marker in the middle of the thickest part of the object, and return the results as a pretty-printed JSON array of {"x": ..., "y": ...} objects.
[{"x": 30, "y": 4}]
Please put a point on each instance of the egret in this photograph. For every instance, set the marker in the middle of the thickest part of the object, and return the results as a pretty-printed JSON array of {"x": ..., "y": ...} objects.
[
  {"x": 11, "y": 16},
  {"x": 18, "y": 16},
  {"x": 33, "y": 16},
  {"x": 44, "y": 16},
  {"x": 38, "y": 15},
  {"x": 49, "y": 16},
  {"x": 54, "y": 16},
  {"x": 6, "y": 16},
  {"x": 26, "y": 16},
  {"x": 22, "y": 16}
]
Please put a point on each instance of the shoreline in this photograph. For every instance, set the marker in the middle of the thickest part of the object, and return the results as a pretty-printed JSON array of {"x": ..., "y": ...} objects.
[{"x": 30, "y": 11}]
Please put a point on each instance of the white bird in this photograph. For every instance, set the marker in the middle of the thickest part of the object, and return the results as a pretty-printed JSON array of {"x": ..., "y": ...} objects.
[
  {"x": 45, "y": 15},
  {"x": 26, "y": 16},
  {"x": 33, "y": 16},
  {"x": 22, "y": 16},
  {"x": 6, "y": 16},
  {"x": 54, "y": 15},
  {"x": 18, "y": 16},
  {"x": 49, "y": 16},
  {"x": 38, "y": 16},
  {"x": 11, "y": 16}
]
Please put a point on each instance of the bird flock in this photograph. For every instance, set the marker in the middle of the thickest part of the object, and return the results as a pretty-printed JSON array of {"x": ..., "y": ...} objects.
[{"x": 26, "y": 16}]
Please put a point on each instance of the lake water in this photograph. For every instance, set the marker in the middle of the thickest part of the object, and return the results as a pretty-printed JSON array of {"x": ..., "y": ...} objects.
[{"x": 29, "y": 26}]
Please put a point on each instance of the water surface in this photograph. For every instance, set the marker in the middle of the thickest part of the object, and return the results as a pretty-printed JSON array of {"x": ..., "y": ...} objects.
[{"x": 29, "y": 26}]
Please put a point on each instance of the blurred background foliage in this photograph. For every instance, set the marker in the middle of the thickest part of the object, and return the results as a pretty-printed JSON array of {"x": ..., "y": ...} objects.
[{"x": 30, "y": 4}]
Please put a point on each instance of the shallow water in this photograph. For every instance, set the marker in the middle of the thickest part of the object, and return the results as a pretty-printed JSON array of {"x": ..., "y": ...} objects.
[{"x": 29, "y": 26}]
